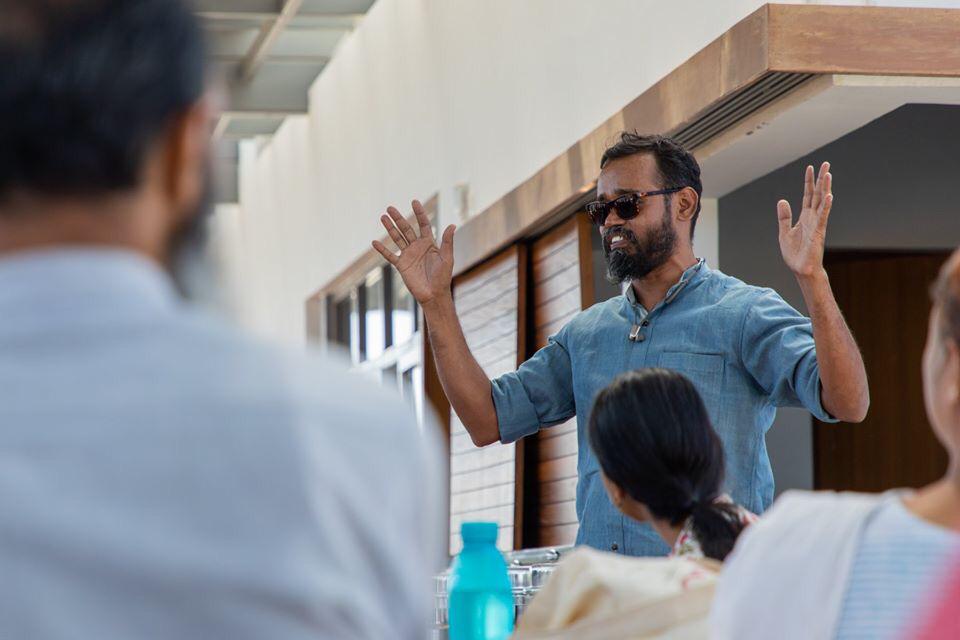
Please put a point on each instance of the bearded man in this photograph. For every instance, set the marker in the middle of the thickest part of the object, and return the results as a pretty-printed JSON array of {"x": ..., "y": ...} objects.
[{"x": 746, "y": 350}]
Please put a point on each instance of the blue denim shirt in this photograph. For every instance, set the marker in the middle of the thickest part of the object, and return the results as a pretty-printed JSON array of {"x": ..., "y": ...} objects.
[{"x": 746, "y": 350}]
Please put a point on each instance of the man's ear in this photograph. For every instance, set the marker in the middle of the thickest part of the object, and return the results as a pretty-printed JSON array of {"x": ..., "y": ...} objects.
[
  {"x": 186, "y": 157},
  {"x": 687, "y": 201}
]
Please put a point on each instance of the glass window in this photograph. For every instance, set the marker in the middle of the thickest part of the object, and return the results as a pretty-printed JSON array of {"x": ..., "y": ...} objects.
[
  {"x": 341, "y": 322},
  {"x": 403, "y": 312},
  {"x": 356, "y": 346},
  {"x": 374, "y": 316}
]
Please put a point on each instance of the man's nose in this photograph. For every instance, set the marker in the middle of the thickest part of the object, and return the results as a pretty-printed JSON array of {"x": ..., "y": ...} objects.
[{"x": 613, "y": 220}]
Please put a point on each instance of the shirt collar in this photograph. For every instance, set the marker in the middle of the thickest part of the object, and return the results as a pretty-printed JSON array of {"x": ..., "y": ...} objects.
[
  {"x": 109, "y": 281},
  {"x": 693, "y": 273}
]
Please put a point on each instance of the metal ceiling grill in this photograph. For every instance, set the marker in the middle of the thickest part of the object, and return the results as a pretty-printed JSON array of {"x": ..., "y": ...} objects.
[{"x": 737, "y": 106}]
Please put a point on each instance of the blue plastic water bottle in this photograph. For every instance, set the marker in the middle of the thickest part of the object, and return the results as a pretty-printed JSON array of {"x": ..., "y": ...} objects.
[{"x": 481, "y": 598}]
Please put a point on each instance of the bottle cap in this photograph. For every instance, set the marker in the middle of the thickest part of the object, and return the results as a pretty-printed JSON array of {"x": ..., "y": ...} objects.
[{"x": 479, "y": 531}]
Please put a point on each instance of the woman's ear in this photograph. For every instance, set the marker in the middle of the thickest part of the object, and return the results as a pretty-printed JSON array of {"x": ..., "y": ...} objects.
[
  {"x": 951, "y": 371},
  {"x": 616, "y": 494}
]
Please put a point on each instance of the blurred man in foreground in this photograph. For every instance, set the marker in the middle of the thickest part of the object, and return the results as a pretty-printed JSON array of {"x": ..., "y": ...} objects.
[{"x": 162, "y": 476}]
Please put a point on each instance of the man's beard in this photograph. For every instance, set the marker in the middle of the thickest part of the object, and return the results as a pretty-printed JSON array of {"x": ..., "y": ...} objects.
[
  {"x": 191, "y": 265},
  {"x": 638, "y": 259}
]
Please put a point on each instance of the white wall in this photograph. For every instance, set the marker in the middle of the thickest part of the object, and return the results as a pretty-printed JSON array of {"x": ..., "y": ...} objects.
[{"x": 427, "y": 94}]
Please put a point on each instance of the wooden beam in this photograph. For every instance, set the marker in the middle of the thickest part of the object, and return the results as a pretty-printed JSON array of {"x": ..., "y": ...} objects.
[
  {"x": 864, "y": 40},
  {"x": 269, "y": 33}
]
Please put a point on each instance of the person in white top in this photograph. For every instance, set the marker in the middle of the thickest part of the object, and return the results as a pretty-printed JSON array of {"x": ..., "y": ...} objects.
[
  {"x": 826, "y": 565},
  {"x": 162, "y": 475}
]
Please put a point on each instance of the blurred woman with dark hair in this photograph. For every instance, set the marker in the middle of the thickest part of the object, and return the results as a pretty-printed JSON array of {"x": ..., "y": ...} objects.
[{"x": 663, "y": 463}]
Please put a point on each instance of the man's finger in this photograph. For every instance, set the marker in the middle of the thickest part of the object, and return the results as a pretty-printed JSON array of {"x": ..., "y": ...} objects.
[
  {"x": 826, "y": 202},
  {"x": 808, "y": 187},
  {"x": 426, "y": 231},
  {"x": 818, "y": 191},
  {"x": 408, "y": 233},
  {"x": 824, "y": 170},
  {"x": 392, "y": 231},
  {"x": 386, "y": 253},
  {"x": 784, "y": 216},
  {"x": 825, "y": 212},
  {"x": 823, "y": 188},
  {"x": 446, "y": 243}
]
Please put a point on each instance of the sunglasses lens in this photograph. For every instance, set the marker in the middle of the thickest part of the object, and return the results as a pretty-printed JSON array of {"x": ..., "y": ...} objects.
[
  {"x": 597, "y": 212},
  {"x": 627, "y": 207}
]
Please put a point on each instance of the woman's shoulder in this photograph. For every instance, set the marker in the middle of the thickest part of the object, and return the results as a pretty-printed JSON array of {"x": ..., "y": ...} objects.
[
  {"x": 819, "y": 504},
  {"x": 800, "y": 517},
  {"x": 798, "y": 552}
]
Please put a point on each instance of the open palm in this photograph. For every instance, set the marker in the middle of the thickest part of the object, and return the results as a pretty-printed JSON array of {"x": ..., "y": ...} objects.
[
  {"x": 802, "y": 244},
  {"x": 426, "y": 269}
]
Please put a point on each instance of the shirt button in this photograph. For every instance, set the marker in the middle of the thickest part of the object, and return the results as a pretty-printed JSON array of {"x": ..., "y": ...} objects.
[
  {"x": 641, "y": 337},
  {"x": 645, "y": 323},
  {"x": 614, "y": 546}
]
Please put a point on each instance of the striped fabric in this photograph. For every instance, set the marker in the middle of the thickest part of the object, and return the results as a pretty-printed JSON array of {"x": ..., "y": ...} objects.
[{"x": 896, "y": 573}]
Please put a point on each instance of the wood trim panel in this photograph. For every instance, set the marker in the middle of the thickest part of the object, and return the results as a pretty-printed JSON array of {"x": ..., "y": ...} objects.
[
  {"x": 558, "y": 490},
  {"x": 557, "y": 295},
  {"x": 558, "y": 469},
  {"x": 585, "y": 231},
  {"x": 520, "y": 486},
  {"x": 864, "y": 40},
  {"x": 557, "y": 536}
]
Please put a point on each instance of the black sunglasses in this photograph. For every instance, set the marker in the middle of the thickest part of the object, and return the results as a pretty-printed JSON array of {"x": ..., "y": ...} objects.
[{"x": 627, "y": 206}]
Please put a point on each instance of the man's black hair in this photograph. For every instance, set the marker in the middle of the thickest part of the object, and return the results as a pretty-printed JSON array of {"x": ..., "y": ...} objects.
[
  {"x": 677, "y": 166},
  {"x": 86, "y": 86}
]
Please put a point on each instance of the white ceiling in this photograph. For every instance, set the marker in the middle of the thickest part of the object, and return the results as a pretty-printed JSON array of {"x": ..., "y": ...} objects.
[
  {"x": 267, "y": 53},
  {"x": 822, "y": 110}
]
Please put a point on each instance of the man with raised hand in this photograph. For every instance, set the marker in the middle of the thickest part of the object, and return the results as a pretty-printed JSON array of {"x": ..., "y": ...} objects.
[{"x": 747, "y": 351}]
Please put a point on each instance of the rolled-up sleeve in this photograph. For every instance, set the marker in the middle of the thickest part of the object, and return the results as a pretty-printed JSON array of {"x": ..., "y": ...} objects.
[
  {"x": 778, "y": 350},
  {"x": 539, "y": 393}
]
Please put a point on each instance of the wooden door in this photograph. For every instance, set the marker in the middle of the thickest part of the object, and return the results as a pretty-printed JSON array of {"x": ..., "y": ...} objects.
[
  {"x": 884, "y": 297},
  {"x": 561, "y": 284},
  {"x": 489, "y": 301}
]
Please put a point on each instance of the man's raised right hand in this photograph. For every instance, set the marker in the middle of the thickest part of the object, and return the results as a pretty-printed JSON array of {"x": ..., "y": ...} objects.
[{"x": 426, "y": 269}]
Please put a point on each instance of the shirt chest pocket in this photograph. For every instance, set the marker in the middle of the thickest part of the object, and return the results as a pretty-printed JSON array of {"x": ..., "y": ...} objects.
[{"x": 705, "y": 371}]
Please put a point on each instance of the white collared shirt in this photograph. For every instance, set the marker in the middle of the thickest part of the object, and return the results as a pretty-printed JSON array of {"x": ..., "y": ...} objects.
[{"x": 163, "y": 476}]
